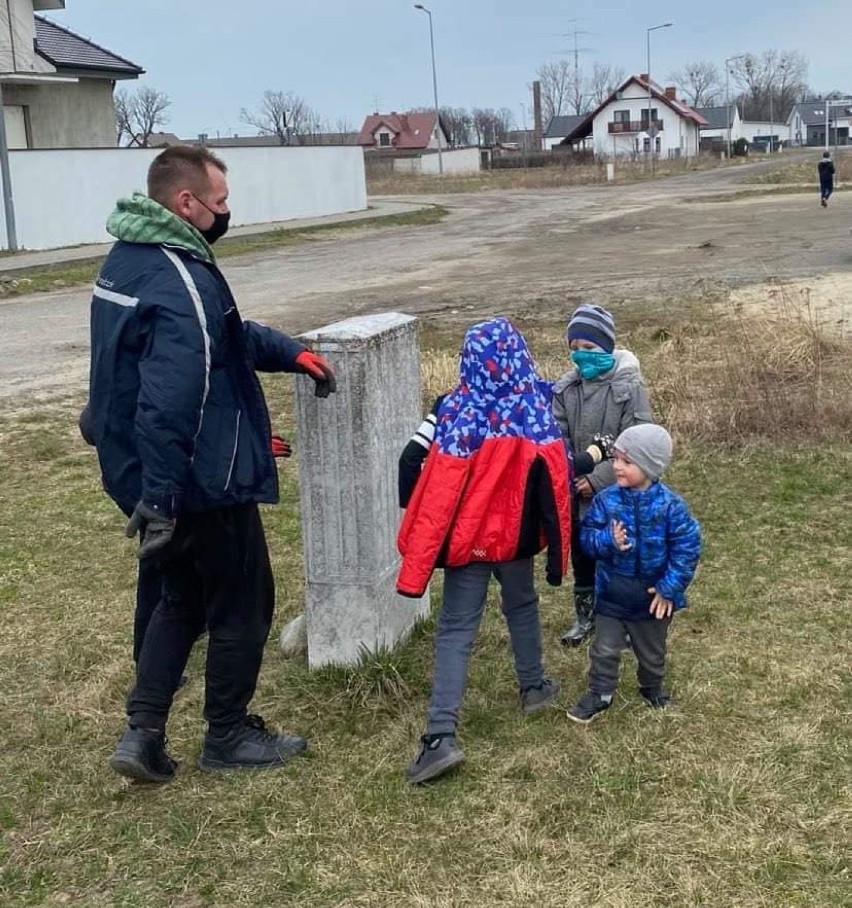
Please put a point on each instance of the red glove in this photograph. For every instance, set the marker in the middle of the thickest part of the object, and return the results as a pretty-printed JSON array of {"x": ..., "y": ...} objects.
[
  {"x": 280, "y": 446},
  {"x": 319, "y": 370}
]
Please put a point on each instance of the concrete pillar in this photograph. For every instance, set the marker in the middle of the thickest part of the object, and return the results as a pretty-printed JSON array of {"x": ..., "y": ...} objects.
[{"x": 349, "y": 446}]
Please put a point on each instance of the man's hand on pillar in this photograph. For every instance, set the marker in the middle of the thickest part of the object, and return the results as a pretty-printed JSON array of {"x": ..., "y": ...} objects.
[
  {"x": 319, "y": 370},
  {"x": 280, "y": 446}
]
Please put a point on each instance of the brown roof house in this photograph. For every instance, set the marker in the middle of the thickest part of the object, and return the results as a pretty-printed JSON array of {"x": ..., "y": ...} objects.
[
  {"x": 395, "y": 132},
  {"x": 57, "y": 85},
  {"x": 638, "y": 118}
]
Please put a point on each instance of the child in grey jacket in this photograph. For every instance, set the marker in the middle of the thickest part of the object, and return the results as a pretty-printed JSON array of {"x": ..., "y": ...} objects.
[{"x": 603, "y": 394}]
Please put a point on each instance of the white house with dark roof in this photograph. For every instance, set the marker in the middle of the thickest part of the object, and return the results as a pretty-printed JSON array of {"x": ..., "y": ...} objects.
[
  {"x": 622, "y": 127},
  {"x": 808, "y": 120},
  {"x": 559, "y": 127},
  {"x": 57, "y": 86}
]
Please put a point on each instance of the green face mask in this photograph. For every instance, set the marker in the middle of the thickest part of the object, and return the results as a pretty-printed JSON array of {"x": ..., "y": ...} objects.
[{"x": 592, "y": 363}]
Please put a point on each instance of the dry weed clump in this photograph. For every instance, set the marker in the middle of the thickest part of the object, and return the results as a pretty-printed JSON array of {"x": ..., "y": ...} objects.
[{"x": 752, "y": 378}]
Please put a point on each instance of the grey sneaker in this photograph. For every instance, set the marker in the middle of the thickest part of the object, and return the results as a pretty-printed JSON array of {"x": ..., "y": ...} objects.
[
  {"x": 438, "y": 755},
  {"x": 249, "y": 746},
  {"x": 539, "y": 697},
  {"x": 656, "y": 698},
  {"x": 588, "y": 706}
]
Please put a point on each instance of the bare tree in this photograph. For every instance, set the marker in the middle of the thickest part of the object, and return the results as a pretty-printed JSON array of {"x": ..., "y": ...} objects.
[
  {"x": 458, "y": 123},
  {"x": 284, "y": 115},
  {"x": 557, "y": 82},
  {"x": 603, "y": 82},
  {"x": 770, "y": 83},
  {"x": 139, "y": 113},
  {"x": 504, "y": 121},
  {"x": 700, "y": 83}
]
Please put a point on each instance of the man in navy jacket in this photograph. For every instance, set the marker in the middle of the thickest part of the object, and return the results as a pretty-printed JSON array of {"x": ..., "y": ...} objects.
[{"x": 182, "y": 432}]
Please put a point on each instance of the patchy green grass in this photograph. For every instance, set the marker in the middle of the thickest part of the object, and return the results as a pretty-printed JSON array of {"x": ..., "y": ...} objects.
[
  {"x": 44, "y": 279},
  {"x": 737, "y": 796}
]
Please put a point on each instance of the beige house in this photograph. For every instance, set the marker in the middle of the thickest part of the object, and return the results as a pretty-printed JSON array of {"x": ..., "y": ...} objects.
[{"x": 57, "y": 87}]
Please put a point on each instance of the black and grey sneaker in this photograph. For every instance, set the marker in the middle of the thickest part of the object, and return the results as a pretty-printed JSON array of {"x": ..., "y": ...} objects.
[
  {"x": 438, "y": 755},
  {"x": 539, "y": 697},
  {"x": 655, "y": 697},
  {"x": 249, "y": 746},
  {"x": 141, "y": 755},
  {"x": 588, "y": 706}
]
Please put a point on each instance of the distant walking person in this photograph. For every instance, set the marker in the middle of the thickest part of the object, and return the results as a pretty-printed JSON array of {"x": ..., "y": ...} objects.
[
  {"x": 826, "y": 178},
  {"x": 182, "y": 432}
]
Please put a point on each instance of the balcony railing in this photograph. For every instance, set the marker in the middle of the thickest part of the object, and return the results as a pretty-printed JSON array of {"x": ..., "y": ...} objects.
[{"x": 622, "y": 126}]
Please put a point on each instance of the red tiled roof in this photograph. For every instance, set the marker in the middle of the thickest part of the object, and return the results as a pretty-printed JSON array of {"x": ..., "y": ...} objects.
[{"x": 410, "y": 130}]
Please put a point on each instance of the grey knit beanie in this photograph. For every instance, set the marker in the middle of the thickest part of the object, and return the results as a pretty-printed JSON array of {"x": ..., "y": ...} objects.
[
  {"x": 648, "y": 446},
  {"x": 594, "y": 324}
]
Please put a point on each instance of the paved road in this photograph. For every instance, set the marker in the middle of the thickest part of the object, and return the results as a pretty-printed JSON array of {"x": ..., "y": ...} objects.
[{"x": 513, "y": 252}]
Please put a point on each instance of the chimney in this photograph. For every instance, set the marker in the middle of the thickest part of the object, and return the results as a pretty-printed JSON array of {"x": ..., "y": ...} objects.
[
  {"x": 538, "y": 131},
  {"x": 644, "y": 77},
  {"x": 671, "y": 93}
]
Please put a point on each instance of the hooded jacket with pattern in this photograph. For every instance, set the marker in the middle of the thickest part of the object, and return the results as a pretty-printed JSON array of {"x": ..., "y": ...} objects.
[
  {"x": 606, "y": 405},
  {"x": 176, "y": 410},
  {"x": 665, "y": 545},
  {"x": 495, "y": 482}
]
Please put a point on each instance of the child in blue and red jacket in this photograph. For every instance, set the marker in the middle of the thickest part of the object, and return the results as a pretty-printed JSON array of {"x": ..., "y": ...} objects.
[
  {"x": 646, "y": 545},
  {"x": 493, "y": 490}
]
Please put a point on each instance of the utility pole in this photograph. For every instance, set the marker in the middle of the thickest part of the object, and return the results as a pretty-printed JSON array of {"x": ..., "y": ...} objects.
[
  {"x": 6, "y": 174},
  {"x": 423, "y": 9}
]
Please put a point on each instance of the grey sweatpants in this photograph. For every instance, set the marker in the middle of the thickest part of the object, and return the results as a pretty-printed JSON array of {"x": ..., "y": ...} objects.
[
  {"x": 648, "y": 641},
  {"x": 465, "y": 592}
]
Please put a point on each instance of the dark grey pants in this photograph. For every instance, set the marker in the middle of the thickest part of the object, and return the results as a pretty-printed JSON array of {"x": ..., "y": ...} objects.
[
  {"x": 465, "y": 592},
  {"x": 648, "y": 641}
]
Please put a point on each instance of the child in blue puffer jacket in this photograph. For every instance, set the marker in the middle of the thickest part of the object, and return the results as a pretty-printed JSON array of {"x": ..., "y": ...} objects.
[{"x": 646, "y": 545}]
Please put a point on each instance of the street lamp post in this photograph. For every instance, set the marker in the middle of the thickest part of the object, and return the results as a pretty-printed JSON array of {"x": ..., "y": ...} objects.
[
  {"x": 728, "y": 63},
  {"x": 5, "y": 172},
  {"x": 648, "y": 39},
  {"x": 423, "y": 9}
]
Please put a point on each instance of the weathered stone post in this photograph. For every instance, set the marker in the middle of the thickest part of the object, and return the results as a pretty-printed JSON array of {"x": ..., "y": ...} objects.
[{"x": 349, "y": 446}]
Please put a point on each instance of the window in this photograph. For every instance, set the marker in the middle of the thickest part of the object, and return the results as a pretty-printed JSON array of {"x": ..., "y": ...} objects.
[
  {"x": 384, "y": 139},
  {"x": 621, "y": 116},
  {"x": 654, "y": 116}
]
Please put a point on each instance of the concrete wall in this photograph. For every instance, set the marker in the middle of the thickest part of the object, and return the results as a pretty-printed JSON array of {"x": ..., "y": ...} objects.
[
  {"x": 17, "y": 32},
  {"x": 63, "y": 198},
  {"x": 457, "y": 161},
  {"x": 67, "y": 115}
]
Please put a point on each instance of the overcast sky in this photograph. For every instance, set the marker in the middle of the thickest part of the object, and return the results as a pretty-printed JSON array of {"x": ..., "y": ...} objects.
[{"x": 214, "y": 57}]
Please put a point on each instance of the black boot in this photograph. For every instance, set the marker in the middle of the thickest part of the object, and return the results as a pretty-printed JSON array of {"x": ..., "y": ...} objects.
[
  {"x": 141, "y": 755},
  {"x": 584, "y": 623},
  {"x": 249, "y": 746}
]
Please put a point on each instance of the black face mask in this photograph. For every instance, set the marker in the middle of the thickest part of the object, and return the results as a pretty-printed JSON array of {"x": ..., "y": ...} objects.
[{"x": 218, "y": 228}]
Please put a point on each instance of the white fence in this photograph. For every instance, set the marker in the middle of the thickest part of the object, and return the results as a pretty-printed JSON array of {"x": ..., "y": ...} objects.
[
  {"x": 63, "y": 197},
  {"x": 458, "y": 160}
]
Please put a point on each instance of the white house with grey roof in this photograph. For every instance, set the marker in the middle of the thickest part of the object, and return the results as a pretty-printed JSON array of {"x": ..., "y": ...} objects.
[
  {"x": 57, "y": 86},
  {"x": 810, "y": 120},
  {"x": 559, "y": 128}
]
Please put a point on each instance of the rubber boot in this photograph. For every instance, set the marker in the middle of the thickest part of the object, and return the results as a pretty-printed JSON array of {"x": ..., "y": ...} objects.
[{"x": 584, "y": 623}]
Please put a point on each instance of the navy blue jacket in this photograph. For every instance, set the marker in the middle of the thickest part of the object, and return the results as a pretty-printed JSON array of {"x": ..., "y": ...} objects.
[
  {"x": 178, "y": 415},
  {"x": 666, "y": 543}
]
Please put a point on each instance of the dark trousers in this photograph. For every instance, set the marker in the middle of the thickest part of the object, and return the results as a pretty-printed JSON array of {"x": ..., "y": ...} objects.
[
  {"x": 582, "y": 567},
  {"x": 465, "y": 594},
  {"x": 149, "y": 591},
  {"x": 218, "y": 574},
  {"x": 648, "y": 642},
  {"x": 826, "y": 187}
]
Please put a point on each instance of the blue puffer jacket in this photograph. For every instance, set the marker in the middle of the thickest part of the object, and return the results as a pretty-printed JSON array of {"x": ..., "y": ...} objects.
[
  {"x": 666, "y": 543},
  {"x": 177, "y": 413}
]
